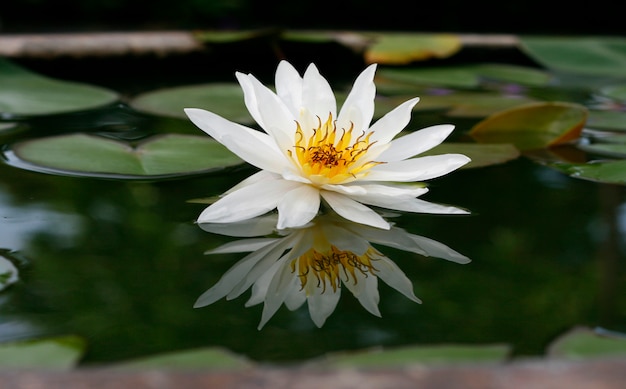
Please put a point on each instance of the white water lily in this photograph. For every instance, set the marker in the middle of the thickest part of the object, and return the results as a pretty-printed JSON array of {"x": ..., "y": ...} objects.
[
  {"x": 309, "y": 152},
  {"x": 314, "y": 263}
]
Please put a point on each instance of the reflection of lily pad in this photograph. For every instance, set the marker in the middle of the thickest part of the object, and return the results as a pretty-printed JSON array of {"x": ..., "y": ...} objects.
[
  {"x": 224, "y": 99},
  {"x": 59, "y": 353},
  {"x": 480, "y": 154},
  {"x": 24, "y": 93},
  {"x": 157, "y": 157},
  {"x": 581, "y": 343},
  {"x": 207, "y": 358},
  {"x": 404, "y": 48},
  {"x": 533, "y": 126},
  {"x": 427, "y": 354}
]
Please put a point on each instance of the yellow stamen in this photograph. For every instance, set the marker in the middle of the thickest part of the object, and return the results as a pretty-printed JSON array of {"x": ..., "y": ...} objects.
[
  {"x": 329, "y": 267},
  {"x": 328, "y": 160}
]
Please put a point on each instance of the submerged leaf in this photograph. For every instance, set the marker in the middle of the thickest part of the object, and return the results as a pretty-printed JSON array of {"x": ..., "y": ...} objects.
[
  {"x": 25, "y": 93},
  {"x": 60, "y": 353},
  {"x": 533, "y": 126},
  {"x": 156, "y": 157}
]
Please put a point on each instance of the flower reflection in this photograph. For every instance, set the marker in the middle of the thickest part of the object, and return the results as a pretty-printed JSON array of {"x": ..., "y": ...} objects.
[
  {"x": 314, "y": 263},
  {"x": 8, "y": 273}
]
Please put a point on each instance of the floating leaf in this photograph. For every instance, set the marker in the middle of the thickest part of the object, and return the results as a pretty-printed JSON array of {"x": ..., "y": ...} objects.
[
  {"x": 8, "y": 273},
  {"x": 470, "y": 104},
  {"x": 209, "y": 358},
  {"x": 607, "y": 120},
  {"x": 615, "y": 92},
  {"x": 581, "y": 343},
  {"x": 480, "y": 154},
  {"x": 404, "y": 48},
  {"x": 24, "y": 93},
  {"x": 225, "y": 99},
  {"x": 533, "y": 126},
  {"x": 438, "y": 354},
  {"x": 612, "y": 147},
  {"x": 161, "y": 156},
  {"x": 609, "y": 172},
  {"x": 59, "y": 353},
  {"x": 599, "y": 56},
  {"x": 522, "y": 75},
  {"x": 466, "y": 76},
  {"x": 454, "y": 76}
]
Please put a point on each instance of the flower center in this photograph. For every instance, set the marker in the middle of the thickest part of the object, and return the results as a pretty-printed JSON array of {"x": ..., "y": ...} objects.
[
  {"x": 327, "y": 158},
  {"x": 328, "y": 268}
]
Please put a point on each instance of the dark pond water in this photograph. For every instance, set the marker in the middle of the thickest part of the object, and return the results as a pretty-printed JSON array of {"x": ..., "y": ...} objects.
[{"x": 121, "y": 263}]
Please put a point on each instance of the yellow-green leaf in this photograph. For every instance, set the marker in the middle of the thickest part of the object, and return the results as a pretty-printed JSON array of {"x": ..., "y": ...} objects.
[
  {"x": 404, "y": 48},
  {"x": 533, "y": 126}
]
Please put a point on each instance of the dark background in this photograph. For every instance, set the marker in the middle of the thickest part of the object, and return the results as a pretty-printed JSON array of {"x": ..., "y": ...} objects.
[{"x": 520, "y": 17}]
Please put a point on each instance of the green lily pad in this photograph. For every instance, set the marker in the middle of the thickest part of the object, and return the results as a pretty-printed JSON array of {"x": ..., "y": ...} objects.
[
  {"x": 59, "y": 353},
  {"x": 25, "y": 93},
  {"x": 224, "y": 99},
  {"x": 480, "y": 154},
  {"x": 522, "y": 75},
  {"x": 467, "y": 76},
  {"x": 599, "y": 56},
  {"x": 431, "y": 355},
  {"x": 454, "y": 76},
  {"x": 615, "y": 92},
  {"x": 404, "y": 48},
  {"x": 470, "y": 104},
  {"x": 207, "y": 358},
  {"x": 608, "y": 172},
  {"x": 611, "y": 147},
  {"x": 582, "y": 343},
  {"x": 230, "y": 36},
  {"x": 607, "y": 120},
  {"x": 160, "y": 156},
  {"x": 533, "y": 126}
]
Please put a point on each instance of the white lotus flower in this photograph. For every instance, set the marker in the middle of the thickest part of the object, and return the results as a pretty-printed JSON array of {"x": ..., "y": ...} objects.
[
  {"x": 314, "y": 263},
  {"x": 310, "y": 152}
]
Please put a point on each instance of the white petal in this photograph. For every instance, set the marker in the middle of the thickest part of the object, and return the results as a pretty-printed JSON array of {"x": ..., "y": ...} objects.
[
  {"x": 415, "y": 143},
  {"x": 322, "y": 305},
  {"x": 250, "y": 145},
  {"x": 439, "y": 250},
  {"x": 417, "y": 169},
  {"x": 259, "y": 176},
  {"x": 298, "y": 206},
  {"x": 242, "y": 246},
  {"x": 387, "y": 127},
  {"x": 317, "y": 96},
  {"x": 391, "y": 274},
  {"x": 258, "y": 226},
  {"x": 289, "y": 87},
  {"x": 277, "y": 290},
  {"x": 352, "y": 210},
  {"x": 358, "y": 108},
  {"x": 246, "y": 203},
  {"x": 249, "y": 97},
  {"x": 366, "y": 291},
  {"x": 408, "y": 204},
  {"x": 234, "y": 275},
  {"x": 275, "y": 117}
]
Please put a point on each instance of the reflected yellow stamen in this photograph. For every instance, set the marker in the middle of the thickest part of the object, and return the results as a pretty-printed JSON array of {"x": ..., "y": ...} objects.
[
  {"x": 327, "y": 157},
  {"x": 329, "y": 267}
]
